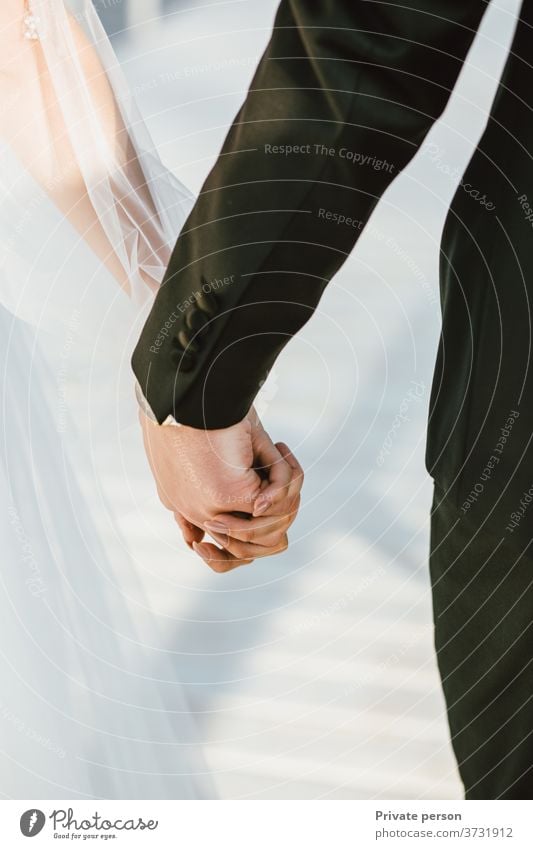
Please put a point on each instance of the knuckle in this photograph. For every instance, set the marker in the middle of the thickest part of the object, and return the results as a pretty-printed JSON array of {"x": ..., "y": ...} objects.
[
  {"x": 247, "y": 535},
  {"x": 290, "y": 518},
  {"x": 274, "y": 540},
  {"x": 217, "y": 566},
  {"x": 273, "y": 523},
  {"x": 297, "y": 483}
]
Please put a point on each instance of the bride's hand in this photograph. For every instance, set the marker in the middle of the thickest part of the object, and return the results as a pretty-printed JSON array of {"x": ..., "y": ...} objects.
[
  {"x": 206, "y": 476},
  {"x": 243, "y": 538}
]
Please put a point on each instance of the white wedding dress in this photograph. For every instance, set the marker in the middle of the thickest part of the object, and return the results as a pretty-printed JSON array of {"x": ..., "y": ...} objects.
[{"x": 90, "y": 700}]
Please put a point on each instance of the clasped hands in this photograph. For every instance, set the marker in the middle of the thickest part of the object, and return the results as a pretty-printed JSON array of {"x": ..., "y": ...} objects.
[{"x": 234, "y": 484}]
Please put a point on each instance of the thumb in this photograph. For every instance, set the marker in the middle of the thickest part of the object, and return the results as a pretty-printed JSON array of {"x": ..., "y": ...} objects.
[{"x": 269, "y": 460}]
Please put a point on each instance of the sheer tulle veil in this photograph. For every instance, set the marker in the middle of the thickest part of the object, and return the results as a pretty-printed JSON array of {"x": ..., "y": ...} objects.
[
  {"x": 88, "y": 217},
  {"x": 92, "y": 139}
]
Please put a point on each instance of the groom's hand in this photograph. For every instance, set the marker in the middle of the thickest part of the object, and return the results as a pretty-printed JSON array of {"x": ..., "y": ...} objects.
[
  {"x": 243, "y": 539},
  {"x": 205, "y": 477}
]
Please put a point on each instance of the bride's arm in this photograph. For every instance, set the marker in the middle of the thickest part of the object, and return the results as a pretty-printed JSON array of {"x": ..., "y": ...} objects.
[
  {"x": 64, "y": 124},
  {"x": 133, "y": 194}
]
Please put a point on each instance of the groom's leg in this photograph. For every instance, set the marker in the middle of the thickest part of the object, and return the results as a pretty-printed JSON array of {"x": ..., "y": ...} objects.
[{"x": 482, "y": 584}]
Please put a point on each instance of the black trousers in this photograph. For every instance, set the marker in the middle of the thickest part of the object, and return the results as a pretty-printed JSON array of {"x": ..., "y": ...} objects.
[{"x": 482, "y": 586}]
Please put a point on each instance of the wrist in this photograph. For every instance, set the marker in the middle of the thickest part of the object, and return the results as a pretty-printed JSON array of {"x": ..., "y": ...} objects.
[{"x": 147, "y": 411}]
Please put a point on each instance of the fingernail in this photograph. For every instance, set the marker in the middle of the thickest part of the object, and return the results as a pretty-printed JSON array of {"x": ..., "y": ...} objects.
[
  {"x": 261, "y": 505},
  {"x": 218, "y": 527},
  {"x": 200, "y": 550},
  {"x": 222, "y": 539}
]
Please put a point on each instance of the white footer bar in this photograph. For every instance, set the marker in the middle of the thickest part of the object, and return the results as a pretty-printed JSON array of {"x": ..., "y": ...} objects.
[{"x": 267, "y": 824}]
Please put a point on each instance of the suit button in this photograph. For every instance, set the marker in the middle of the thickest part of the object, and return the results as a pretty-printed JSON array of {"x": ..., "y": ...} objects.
[
  {"x": 207, "y": 303},
  {"x": 185, "y": 341},
  {"x": 196, "y": 319}
]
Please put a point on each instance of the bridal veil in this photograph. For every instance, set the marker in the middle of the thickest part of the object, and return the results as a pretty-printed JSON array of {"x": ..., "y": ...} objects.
[{"x": 92, "y": 704}]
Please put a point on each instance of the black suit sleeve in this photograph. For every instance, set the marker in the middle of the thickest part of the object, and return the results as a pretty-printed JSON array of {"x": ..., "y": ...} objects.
[{"x": 342, "y": 99}]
